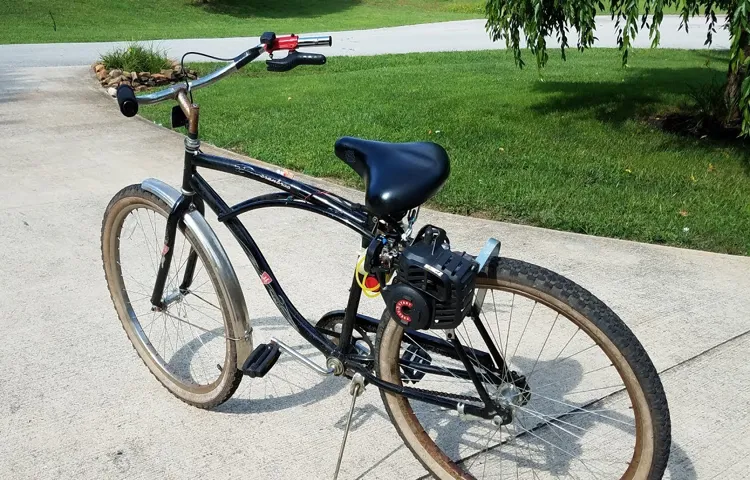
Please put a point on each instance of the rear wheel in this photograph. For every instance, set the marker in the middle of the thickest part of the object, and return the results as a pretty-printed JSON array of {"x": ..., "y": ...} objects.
[
  {"x": 186, "y": 346},
  {"x": 592, "y": 405}
]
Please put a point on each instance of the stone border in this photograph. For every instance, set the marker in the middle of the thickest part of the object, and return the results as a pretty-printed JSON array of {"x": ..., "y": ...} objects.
[{"x": 140, "y": 81}]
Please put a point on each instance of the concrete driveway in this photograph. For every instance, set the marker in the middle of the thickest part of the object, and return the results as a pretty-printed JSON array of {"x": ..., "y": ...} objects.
[{"x": 76, "y": 401}]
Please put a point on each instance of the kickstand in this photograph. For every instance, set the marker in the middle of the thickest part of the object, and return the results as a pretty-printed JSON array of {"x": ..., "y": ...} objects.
[{"x": 355, "y": 389}]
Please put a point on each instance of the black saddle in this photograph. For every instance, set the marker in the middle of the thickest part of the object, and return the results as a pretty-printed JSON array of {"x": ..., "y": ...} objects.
[{"x": 398, "y": 176}]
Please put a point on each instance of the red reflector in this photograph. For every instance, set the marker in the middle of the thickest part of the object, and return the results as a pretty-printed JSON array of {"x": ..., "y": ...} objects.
[{"x": 372, "y": 283}]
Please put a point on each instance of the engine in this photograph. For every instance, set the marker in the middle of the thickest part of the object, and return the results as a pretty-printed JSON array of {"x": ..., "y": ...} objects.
[{"x": 434, "y": 286}]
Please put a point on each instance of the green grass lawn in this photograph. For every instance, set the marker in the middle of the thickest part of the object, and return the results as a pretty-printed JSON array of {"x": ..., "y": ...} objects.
[
  {"x": 567, "y": 150},
  {"x": 29, "y": 21}
]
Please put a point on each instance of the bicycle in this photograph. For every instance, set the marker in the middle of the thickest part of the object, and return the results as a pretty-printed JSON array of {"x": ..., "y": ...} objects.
[{"x": 469, "y": 396}]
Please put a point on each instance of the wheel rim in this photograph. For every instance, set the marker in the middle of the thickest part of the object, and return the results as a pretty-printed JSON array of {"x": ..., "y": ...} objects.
[
  {"x": 542, "y": 441},
  {"x": 187, "y": 341}
]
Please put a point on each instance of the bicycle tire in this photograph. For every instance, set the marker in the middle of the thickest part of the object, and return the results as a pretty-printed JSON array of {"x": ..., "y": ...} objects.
[
  {"x": 630, "y": 360},
  {"x": 229, "y": 377}
]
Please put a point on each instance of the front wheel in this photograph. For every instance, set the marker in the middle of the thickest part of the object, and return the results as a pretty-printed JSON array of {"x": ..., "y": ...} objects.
[
  {"x": 589, "y": 403},
  {"x": 187, "y": 345}
]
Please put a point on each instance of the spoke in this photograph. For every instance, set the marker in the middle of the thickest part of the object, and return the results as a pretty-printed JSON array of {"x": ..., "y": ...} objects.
[
  {"x": 522, "y": 333},
  {"x": 156, "y": 236},
  {"x": 203, "y": 312},
  {"x": 569, "y": 357},
  {"x": 204, "y": 300},
  {"x": 578, "y": 329},
  {"x": 141, "y": 296},
  {"x": 197, "y": 289},
  {"x": 476, "y": 454},
  {"x": 151, "y": 325},
  {"x": 487, "y": 452},
  {"x": 619, "y": 387},
  {"x": 492, "y": 332},
  {"x": 583, "y": 409},
  {"x": 497, "y": 322},
  {"x": 145, "y": 238},
  {"x": 473, "y": 352},
  {"x": 553, "y": 421},
  {"x": 543, "y": 345},
  {"x": 136, "y": 281},
  {"x": 550, "y": 423},
  {"x": 178, "y": 329},
  {"x": 439, "y": 366},
  {"x": 174, "y": 349},
  {"x": 582, "y": 375},
  {"x": 510, "y": 320},
  {"x": 179, "y": 262},
  {"x": 191, "y": 324},
  {"x": 525, "y": 430}
]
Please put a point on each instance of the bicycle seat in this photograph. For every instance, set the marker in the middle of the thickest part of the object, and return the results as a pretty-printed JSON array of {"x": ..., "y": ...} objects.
[{"x": 397, "y": 176}]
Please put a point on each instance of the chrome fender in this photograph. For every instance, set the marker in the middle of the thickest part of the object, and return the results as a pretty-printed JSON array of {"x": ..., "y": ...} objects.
[
  {"x": 491, "y": 249},
  {"x": 228, "y": 281}
]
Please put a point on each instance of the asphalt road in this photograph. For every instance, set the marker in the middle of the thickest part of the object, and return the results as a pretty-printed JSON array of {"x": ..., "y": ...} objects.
[{"x": 434, "y": 37}]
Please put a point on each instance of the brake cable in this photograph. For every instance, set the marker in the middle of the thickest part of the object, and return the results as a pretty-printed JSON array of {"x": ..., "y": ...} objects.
[{"x": 182, "y": 66}]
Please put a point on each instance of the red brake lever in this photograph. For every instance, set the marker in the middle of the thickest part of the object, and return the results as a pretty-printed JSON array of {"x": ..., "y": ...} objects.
[{"x": 288, "y": 42}]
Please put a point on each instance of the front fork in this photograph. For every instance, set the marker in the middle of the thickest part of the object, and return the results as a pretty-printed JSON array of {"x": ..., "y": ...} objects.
[{"x": 182, "y": 206}]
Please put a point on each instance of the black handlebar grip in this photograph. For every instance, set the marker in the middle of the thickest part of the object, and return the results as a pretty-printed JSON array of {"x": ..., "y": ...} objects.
[
  {"x": 310, "y": 59},
  {"x": 294, "y": 59},
  {"x": 126, "y": 100}
]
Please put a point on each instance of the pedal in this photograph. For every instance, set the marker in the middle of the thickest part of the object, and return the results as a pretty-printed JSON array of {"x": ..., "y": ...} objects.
[
  {"x": 413, "y": 357},
  {"x": 260, "y": 361}
]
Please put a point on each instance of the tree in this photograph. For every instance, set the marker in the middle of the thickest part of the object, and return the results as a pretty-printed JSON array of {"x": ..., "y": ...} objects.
[{"x": 540, "y": 19}]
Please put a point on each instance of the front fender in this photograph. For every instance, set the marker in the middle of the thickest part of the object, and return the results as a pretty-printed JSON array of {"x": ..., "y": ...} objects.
[{"x": 229, "y": 283}]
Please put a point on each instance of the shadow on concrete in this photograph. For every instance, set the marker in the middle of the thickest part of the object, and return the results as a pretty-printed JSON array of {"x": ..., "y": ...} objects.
[
  {"x": 265, "y": 9},
  {"x": 680, "y": 466},
  {"x": 288, "y": 384}
]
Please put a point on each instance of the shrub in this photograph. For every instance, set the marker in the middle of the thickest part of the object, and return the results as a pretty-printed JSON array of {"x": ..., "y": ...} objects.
[
  {"x": 466, "y": 7},
  {"x": 136, "y": 58},
  {"x": 709, "y": 101}
]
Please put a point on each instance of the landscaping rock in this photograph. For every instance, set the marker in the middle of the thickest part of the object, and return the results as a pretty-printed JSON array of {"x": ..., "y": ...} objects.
[{"x": 141, "y": 81}]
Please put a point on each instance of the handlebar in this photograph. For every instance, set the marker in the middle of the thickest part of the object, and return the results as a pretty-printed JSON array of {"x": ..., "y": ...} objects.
[{"x": 129, "y": 102}]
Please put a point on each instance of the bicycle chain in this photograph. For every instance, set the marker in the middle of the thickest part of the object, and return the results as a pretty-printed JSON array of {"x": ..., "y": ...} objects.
[{"x": 445, "y": 394}]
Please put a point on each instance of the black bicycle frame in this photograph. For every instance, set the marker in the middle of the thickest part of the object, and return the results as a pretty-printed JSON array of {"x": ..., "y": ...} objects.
[{"x": 295, "y": 194}]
